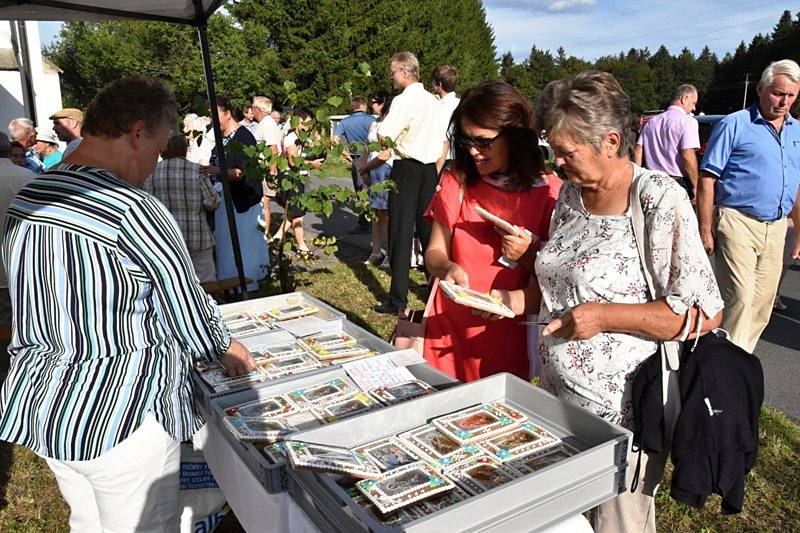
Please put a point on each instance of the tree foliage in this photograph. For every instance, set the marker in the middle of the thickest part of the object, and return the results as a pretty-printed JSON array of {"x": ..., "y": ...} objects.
[
  {"x": 258, "y": 44},
  {"x": 651, "y": 78}
]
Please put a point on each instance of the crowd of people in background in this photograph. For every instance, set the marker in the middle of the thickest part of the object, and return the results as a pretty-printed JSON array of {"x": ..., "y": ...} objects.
[{"x": 565, "y": 255}]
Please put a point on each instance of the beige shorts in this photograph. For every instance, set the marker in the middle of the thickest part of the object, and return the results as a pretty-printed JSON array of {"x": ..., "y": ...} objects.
[{"x": 269, "y": 192}]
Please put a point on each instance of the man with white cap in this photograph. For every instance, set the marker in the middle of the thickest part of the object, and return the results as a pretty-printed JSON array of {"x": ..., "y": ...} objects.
[
  {"x": 46, "y": 148},
  {"x": 67, "y": 124}
]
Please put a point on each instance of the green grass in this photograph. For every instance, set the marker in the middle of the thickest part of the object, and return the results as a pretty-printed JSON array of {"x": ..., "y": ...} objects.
[
  {"x": 32, "y": 500},
  {"x": 335, "y": 167},
  {"x": 772, "y": 494},
  {"x": 772, "y": 501}
]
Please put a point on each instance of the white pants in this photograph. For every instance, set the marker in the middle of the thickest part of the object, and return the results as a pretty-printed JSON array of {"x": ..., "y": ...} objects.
[
  {"x": 204, "y": 265},
  {"x": 132, "y": 487}
]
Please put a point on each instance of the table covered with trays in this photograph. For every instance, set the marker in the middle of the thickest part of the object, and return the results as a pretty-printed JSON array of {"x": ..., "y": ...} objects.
[{"x": 381, "y": 441}]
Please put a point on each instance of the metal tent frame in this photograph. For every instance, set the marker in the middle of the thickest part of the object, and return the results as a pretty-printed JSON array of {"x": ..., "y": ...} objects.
[{"x": 187, "y": 12}]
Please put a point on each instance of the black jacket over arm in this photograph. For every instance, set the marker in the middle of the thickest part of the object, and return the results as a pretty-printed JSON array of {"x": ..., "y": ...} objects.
[{"x": 715, "y": 442}]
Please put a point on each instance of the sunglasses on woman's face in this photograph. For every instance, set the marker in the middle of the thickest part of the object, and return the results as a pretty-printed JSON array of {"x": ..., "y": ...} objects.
[{"x": 481, "y": 143}]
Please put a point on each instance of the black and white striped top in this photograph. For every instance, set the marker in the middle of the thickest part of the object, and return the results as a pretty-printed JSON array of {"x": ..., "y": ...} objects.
[{"x": 108, "y": 316}]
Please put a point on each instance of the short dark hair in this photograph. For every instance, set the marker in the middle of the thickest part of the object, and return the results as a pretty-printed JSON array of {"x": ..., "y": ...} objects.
[
  {"x": 446, "y": 76},
  {"x": 177, "y": 146},
  {"x": 303, "y": 113},
  {"x": 358, "y": 101},
  {"x": 122, "y": 102},
  {"x": 225, "y": 104},
  {"x": 497, "y": 105},
  {"x": 5, "y": 145},
  {"x": 383, "y": 98}
]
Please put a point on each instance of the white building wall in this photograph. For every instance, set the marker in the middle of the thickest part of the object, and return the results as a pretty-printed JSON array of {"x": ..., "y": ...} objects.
[{"x": 46, "y": 85}]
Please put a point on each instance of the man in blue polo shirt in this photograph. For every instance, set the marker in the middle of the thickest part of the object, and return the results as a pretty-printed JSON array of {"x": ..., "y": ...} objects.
[
  {"x": 751, "y": 171},
  {"x": 354, "y": 130}
]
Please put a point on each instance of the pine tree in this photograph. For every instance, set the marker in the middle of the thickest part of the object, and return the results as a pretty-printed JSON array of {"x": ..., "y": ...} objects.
[
  {"x": 260, "y": 44},
  {"x": 663, "y": 65}
]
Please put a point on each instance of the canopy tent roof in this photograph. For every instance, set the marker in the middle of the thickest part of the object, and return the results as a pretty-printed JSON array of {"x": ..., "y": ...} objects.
[
  {"x": 177, "y": 11},
  {"x": 190, "y": 12}
]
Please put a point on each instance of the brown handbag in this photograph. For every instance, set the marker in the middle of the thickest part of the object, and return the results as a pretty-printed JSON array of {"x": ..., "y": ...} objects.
[{"x": 409, "y": 332}]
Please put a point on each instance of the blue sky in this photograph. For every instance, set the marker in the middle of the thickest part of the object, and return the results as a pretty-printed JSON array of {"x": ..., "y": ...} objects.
[{"x": 592, "y": 28}]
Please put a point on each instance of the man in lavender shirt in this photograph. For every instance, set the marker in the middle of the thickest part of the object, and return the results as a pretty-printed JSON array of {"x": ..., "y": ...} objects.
[{"x": 669, "y": 141}]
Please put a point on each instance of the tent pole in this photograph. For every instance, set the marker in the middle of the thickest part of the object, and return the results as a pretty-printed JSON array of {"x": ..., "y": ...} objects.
[{"x": 223, "y": 166}]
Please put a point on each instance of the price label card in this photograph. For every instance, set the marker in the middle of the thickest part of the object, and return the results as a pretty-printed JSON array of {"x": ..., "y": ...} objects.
[
  {"x": 303, "y": 327},
  {"x": 377, "y": 371}
]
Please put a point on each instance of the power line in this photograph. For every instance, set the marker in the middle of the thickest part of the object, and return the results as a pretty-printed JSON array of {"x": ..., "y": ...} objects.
[
  {"x": 588, "y": 22},
  {"x": 642, "y": 32},
  {"x": 702, "y": 38}
]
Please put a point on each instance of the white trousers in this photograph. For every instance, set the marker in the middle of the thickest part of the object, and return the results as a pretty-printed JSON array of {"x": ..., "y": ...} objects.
[
  {"x": 132, "y": 487},
  {"x": 204, "y": 265}
]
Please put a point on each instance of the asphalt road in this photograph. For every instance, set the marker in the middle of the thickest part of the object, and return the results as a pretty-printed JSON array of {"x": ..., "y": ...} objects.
[{"x": 778, "y": 349}]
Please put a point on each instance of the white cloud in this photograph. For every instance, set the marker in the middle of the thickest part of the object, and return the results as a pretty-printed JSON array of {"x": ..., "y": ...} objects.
[
  {"x": 617, "y": 25},
  {"x": 543, "y": 6}
]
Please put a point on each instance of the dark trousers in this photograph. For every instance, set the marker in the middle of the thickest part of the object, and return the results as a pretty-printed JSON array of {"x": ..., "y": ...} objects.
[
  {"x": 686, "y": 183},
  {"x": 415, "y": 184},
  {"x": 362, "y": 219}
]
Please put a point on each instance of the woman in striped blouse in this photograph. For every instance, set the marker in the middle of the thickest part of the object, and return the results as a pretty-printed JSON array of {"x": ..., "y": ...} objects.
[{"x": 108, "y": 316}]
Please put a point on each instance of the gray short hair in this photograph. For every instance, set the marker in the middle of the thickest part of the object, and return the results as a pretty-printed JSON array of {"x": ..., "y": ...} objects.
[
  {"x": 118, "y": 105},
  {"x": 684, "y": 90},
  {"x": 587, "y": 106},
  {"x": 5, "y": 145},
  {"x": 19, "y": 127},
  {"x": 263, "y": 104},
  {"x": 787, "y": 67},
  {"x": 543, "y": 104},
  {"x": 406, "y": 61}
]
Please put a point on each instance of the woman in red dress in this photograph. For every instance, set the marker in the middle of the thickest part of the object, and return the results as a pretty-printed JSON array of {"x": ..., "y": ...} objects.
[{"x": 498, "y": 166}]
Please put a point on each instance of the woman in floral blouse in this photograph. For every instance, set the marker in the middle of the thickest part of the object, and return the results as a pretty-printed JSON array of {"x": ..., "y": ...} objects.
[{"x": 594, "y": 294}]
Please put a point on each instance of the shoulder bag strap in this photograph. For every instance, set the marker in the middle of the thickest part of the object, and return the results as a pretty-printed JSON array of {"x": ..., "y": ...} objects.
[{"x": 669, "y": 349}]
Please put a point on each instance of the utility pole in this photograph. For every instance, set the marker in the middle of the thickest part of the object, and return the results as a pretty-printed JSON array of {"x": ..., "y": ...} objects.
[{"x": 744, "y": 96}]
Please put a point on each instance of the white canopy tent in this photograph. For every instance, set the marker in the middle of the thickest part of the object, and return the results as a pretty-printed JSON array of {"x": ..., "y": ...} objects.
[{"x": 189, "y": 12}]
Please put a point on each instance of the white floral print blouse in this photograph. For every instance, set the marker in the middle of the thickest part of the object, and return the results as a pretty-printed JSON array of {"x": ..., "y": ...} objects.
[{"x": 592, "y": 258}]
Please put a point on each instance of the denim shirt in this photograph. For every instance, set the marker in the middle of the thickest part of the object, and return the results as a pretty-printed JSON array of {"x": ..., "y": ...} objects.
[{"x": 758, "y": 169}]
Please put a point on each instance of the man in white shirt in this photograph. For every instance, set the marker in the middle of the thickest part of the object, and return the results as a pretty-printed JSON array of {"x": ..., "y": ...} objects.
[
  {"x": 445, "y": 78},
  {"x": 415, "y": 126},
  {"x": 267, "y": 132},
  {"x": 12, "y": 179}
]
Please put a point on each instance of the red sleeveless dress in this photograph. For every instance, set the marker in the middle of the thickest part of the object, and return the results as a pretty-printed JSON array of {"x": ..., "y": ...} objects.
[{"x": 458, "y": 342}]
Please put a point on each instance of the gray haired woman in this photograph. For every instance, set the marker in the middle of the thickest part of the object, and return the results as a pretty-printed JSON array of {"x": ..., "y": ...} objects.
[{"x": 602, "y": 324}]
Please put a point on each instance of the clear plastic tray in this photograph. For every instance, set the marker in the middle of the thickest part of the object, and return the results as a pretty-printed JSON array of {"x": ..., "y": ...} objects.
[
  {"x": 273, "y": 475},
  {"x": 547, "y": 496},
  {"x": 204, "y": 393},
  {"x": 260, "y": 305}
]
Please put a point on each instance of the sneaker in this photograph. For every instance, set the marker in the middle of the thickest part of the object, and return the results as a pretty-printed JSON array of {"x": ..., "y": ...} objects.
[
  {"x": 386, "y": 309},
  {"x": 375, "y": 259},
  {"x": 359, "y": 230}
]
